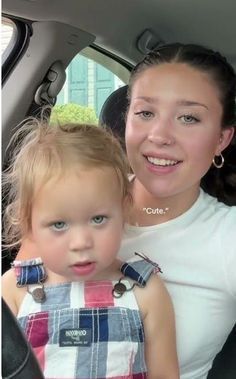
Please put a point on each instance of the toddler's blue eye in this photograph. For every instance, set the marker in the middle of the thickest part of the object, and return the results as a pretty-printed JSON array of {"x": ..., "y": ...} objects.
[
  {"x": 59, "y": 225},
  {"x": 99, "y": 219}
]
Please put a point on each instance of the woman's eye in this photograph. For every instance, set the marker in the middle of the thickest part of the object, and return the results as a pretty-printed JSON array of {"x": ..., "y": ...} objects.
[
  {"x": 99, "y": 219},
  {"x": 146, "y": 115},
  {"x": 189, "y": 119},
  {"x": 59, "y": 225}
]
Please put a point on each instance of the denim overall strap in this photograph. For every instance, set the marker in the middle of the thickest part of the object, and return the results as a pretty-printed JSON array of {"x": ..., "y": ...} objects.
[
  {"x": 29, "y": 271},
  {"x": 139, "y": 270}
]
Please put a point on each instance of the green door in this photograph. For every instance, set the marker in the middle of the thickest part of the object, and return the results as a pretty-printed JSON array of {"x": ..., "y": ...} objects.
[
  {"x": 104, "y": 85},
  {"x": 78, "y": 81}
]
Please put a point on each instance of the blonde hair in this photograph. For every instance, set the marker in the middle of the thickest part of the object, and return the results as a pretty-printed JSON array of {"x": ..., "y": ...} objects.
[{"x": 44, "y": 151}]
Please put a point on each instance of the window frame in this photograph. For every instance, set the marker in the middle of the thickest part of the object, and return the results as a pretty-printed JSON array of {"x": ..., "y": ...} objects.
[
  {"x": 22, "y": 32},
  {"x": 95, "y": 56}
]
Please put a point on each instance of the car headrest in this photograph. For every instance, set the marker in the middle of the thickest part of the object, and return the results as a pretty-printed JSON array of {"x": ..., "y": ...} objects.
[{"x": 113, "y": 113}]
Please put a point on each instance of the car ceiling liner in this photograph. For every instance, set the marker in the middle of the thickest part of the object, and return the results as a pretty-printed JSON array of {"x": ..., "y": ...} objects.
[{"x": 148, "y": 41}]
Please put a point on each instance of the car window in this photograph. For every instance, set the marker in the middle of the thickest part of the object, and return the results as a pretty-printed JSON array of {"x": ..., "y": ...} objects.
[
  {"x": 7, "y": 35},
  {"x": 15, "y": 36},
  {"x": 88, "y": 84}
]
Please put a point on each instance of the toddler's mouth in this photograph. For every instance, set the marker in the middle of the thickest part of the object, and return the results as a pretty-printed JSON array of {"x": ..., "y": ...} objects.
[{"x": 83, "y": 268}]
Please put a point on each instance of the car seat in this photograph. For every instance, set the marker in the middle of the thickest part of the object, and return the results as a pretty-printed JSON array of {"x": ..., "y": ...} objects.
[
  {"x": 113, "y": 115},
  {"x": 18, "y": 359}
]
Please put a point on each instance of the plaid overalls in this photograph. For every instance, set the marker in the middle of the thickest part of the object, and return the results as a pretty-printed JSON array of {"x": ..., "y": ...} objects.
[{"x": 82, "y": 331}]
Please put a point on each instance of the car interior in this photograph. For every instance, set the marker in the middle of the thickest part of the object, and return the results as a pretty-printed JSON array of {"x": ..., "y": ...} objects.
[{"x": 76, "y": 56}]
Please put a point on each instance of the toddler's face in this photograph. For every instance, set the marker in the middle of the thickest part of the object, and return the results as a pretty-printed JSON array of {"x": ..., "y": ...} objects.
[{"x": 77, "y": 224}]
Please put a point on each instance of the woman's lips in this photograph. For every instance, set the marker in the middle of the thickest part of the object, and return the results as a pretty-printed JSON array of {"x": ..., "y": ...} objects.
[
  {"x": 82, "y": 269},
  {"x": 162, "y": 161},
  {"x": 162, "y": 169}
]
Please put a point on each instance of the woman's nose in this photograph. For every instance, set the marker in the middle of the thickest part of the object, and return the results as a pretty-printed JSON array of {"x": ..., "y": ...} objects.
[{"x": 161, "y": 133}]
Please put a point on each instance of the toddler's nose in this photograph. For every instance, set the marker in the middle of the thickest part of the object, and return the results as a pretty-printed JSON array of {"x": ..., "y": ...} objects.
[{"x": 81, "y": 239}]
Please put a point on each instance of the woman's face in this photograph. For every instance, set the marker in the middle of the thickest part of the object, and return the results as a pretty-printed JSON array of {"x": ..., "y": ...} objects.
[{"x": 173, "y": 128}]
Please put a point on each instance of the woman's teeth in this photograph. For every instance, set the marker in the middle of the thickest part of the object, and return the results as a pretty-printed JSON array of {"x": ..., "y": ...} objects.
[{"x": 161, "y": 162}]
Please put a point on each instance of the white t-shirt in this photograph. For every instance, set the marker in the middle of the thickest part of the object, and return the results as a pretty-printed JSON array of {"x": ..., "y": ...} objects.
[{"x": 197, "y": 254}]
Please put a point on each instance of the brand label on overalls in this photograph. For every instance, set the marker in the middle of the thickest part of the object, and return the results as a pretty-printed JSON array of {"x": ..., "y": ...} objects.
[{"x": 75, "y": 337}]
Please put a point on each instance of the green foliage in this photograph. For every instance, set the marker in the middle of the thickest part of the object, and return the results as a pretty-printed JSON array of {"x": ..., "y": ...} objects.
[{"x": 73, "y": 113}]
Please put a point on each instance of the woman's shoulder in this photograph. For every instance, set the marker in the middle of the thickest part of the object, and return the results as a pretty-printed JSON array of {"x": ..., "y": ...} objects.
[
  {"x": 219, "y": 219},
  {"x": 217, "y": 207}
]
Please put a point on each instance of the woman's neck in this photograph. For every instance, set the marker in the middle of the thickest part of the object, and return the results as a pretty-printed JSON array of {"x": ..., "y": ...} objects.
[{"x": 150, "y": 210}]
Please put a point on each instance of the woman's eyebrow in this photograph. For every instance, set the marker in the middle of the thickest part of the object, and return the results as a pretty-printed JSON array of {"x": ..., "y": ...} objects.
[
  {"x": 191, "y": 103},
  {"x": 147, "y": 99},
  {"x": 153, "y": 100}
]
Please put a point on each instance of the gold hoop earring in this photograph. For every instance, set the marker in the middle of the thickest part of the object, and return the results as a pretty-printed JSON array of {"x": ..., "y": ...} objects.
[{"x": 220, "y": 164}]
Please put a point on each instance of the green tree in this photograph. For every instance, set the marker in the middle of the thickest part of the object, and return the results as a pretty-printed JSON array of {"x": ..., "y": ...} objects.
[{"x": 73, "y": 113}]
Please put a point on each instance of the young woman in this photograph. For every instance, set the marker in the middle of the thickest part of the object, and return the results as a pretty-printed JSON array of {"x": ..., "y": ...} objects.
[
  {"x": 179, "y": 132},
  {"x": 85, "y": 313}
]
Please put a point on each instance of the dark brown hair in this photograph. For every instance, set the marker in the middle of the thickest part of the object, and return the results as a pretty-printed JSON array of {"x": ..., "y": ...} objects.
[{"x": 220, "y": 183}]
